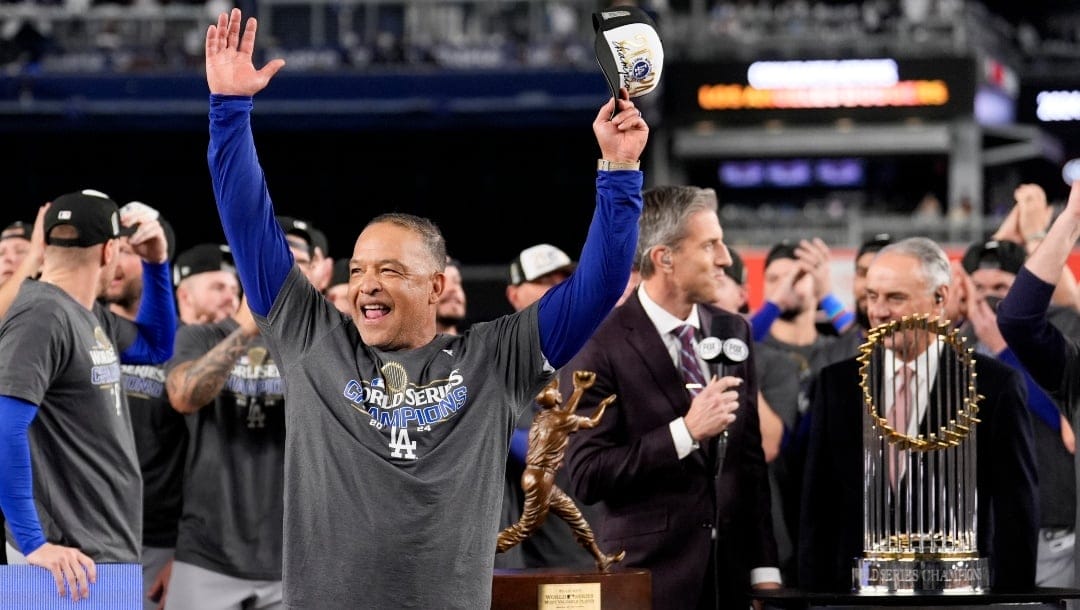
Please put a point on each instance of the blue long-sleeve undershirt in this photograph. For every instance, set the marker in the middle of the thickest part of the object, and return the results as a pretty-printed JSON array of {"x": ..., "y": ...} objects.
[
  {"x": 1023, "y": 322},
  {"x": 156, "y": 318},
  {"x": 258, "y": 245},
  {"x": 16, "y": 474}
]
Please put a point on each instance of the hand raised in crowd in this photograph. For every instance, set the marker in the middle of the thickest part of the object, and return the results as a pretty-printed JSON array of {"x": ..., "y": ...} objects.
[
  {"x": 713, "y": 410},
  {"x": 67, "y": 565},
  {"x": 623, "y": 137},
  {"x": 814, "y": 253},
  {"x": 229, "y": 67},
  {"x": 1034, "y": 212},
  {"x": 148, "y": 241},
  {"x": 783, "y": 294},
  {"x": 982, "y": 317},
  {"x": 1029, "y": 217}
]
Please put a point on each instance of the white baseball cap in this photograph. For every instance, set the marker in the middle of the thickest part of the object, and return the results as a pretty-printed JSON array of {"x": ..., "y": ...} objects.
[{"x": 538, "y": 261}]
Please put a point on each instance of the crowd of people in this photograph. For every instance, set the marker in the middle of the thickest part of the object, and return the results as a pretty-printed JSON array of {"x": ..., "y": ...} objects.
[{"x": 260, "y": 425}]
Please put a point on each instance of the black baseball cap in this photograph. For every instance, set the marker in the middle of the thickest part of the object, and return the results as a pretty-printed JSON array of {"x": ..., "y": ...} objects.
[
  {"x": 17, "y": 229},
  {"x": 299, "y": 228},
  {"x": 201, "y": 259},
  {"x": 784, "y": 249},
  {"x": 737, "y": 269},
  {"x": 874, "y": 244},
  {"x": 95, "y": 217},
  {"x": 994, "y": 254}
]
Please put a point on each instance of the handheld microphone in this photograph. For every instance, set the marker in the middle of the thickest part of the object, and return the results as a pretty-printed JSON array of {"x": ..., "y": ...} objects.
[{"x": 720, "y": 353}]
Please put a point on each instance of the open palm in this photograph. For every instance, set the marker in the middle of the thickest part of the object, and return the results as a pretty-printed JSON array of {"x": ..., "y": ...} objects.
[{"x": 229, "y": 69}]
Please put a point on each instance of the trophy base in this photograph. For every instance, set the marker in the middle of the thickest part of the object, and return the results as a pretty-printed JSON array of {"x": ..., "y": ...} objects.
[
  {"x": 566, "y": 589},
  {"x": 925, "y": 575}
]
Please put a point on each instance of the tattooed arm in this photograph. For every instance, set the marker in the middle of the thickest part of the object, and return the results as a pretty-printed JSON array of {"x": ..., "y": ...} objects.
[{"x": 195, "y": 383}]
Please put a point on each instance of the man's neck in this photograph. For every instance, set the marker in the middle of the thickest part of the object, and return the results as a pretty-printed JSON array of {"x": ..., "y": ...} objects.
[{"x": 80, "y": 284}]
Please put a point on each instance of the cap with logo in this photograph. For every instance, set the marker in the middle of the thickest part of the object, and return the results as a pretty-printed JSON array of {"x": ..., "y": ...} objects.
[
  {"x": 538, "y": 261},
  {"x": 201, "y": 259},
  {"x": 628, "y": 49},
  {"x": 994, "y": 254},
  {"x": 17, "y": 230},
  {"x": 298, "y": 228},
  {"x": 95, "y": 218}
]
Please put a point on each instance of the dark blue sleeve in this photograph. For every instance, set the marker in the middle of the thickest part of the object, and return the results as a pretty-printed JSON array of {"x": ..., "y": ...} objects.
[
  {"x": 763, "y": 319},
  {"x": 156, "y": 319},
  {"x": 16, "y": 475},
  {"x": 519, "y": 445},
  {"x": 1023, "y": 322},
  {"x": 1041, "y": 405},
  {"x": 258, "y": 244},
  {"x": 572, "y": 310}
]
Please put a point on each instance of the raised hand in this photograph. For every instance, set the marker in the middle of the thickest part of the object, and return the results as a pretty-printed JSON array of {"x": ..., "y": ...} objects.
[
  {"x": 815, "y": 253},
  {"x": 622, "y": 137},
  {"x": 149, "y": 240},
  {"x": 1033, "y": 211},
  {"x": 229, "y": 68}
]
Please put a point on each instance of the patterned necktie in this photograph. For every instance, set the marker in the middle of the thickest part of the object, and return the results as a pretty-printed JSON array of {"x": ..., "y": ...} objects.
[
  {"x": 898, "y": 417},
  {"x": 688, "y": 363}
]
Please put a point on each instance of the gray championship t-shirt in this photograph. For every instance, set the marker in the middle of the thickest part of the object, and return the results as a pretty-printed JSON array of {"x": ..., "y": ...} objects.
[
  {"x": 233, "y": 491},
  {"x": 395, "y": 460},
  {"x": 65, "y": 358},
  {"x": 161, "y": 444}
]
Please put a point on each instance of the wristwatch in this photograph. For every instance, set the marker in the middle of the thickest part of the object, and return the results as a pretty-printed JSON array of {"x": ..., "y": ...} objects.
[{"x": 610, "y": 166}]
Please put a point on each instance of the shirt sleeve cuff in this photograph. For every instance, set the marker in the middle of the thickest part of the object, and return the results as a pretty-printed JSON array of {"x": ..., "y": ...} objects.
[
  {"x": 680, "y": 435},
  {"x": 762, "y": 575}
]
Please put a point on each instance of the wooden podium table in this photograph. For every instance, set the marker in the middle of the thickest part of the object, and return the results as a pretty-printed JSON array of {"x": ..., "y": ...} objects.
[{"x": 564, "y": 589}]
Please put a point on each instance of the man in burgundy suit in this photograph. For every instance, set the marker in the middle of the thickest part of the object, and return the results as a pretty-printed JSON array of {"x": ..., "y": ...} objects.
[{"x": 676, "y": 466}]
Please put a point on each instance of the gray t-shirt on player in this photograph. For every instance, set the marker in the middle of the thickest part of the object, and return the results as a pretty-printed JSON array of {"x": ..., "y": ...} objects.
[
  {"x": 161, "y": 444},
  {"x": 232, "y": 513},
  {"x": 65, "y": 358},
  {"x": 394, "y": 477}
]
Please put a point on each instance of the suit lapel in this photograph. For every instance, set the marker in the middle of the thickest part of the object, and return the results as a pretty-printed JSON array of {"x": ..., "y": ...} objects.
[{"x": 645, "y": 341}]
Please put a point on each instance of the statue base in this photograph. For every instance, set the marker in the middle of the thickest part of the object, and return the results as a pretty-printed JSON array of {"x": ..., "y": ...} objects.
[
  {"x": 924, "y": 575},
  {"x": 564, "y": 589}
]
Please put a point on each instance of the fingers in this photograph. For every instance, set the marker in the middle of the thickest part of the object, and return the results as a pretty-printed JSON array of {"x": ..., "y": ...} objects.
[
  {"x": 233, "y": 35},
  {"x": 269, "y": 70},
  {"x": 247, "y": 44},
  {"x": 606, "y": 111}
]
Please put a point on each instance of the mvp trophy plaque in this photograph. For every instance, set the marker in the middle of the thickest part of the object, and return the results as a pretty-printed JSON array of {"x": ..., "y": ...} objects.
[{"x": 919, "y": 495}]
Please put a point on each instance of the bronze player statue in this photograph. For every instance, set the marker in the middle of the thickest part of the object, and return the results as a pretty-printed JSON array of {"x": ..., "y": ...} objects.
[{"x": 548, "y": 436}]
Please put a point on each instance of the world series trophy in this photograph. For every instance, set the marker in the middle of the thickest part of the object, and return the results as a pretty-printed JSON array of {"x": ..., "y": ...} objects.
[{"x": 919, "y": 493}]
